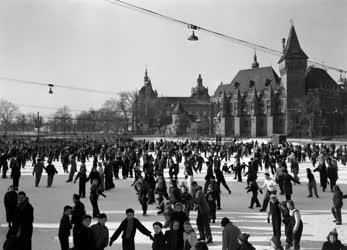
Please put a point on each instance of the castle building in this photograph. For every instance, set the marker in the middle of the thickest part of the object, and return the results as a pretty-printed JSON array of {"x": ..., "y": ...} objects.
[
  {"x": 302, "y": 101},
  {"x": 152, "y": 113}
]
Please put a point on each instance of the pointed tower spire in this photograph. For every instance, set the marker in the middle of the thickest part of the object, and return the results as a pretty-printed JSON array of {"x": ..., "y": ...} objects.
[
  {"x": 199, "y": 80},
  {"x": 293, "y": 48},
  {"x": 146, "y": 78},
  {"x": 255, "y": 63}
]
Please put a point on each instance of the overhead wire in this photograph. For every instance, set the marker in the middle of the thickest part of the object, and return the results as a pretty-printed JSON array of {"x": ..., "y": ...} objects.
[
  {"x": 212, "y": 32},
  {"x": 30, "y": 82}
]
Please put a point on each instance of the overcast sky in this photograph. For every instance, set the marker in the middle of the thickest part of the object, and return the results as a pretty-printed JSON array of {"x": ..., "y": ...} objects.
[{"x": 94, "y": 44}]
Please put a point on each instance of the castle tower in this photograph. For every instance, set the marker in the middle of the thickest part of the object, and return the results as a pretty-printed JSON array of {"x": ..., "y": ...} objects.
[
  {"x": 292, "y": 65},
  {"x": 255, "y": 63},
  {"x": 200, "y": 91}
]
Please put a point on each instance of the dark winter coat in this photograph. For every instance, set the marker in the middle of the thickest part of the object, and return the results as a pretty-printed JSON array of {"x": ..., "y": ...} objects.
[
  {"x": 23, "y": 219},
  {"x": 332, "y": 246},
  {"x": 159, "y": 242},
  {"x": 51, "y": 170},
  {"x": 84, "y": 239},
  {"x": 123, "y": 227},
  {"x": 247, "y": 246},
  {"x": 77, "y": 213},
  {"x": 181, "y": 217},
  {"x": 10, "y": 202},
  {"x": 174, "y": 240},
  {"x": 65, "y": 226}
]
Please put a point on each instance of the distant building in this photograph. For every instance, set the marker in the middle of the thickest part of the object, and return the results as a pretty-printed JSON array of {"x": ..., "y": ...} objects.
[
  {"x": 153, "y": 113},
  {"x": 303, "y": 101},
  {"x": 258, "y": 102}
]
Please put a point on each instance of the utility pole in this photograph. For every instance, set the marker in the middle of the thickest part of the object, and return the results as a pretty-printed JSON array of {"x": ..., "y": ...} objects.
[{"x": 38, "y": 126}]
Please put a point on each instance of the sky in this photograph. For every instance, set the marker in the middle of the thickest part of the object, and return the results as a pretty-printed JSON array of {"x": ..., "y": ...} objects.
[{"x": 98, "y": 45}]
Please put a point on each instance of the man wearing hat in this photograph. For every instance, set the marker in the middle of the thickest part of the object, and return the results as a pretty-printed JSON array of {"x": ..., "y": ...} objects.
[
  {"x": 332, "y": 241},
  {"x": 311, "y": 183},
  {"x": 100, "y": 234}
]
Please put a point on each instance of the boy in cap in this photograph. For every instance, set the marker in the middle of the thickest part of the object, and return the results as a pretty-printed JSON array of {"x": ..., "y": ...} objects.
[
  {"x": 64, "y": 228},
  {"x": 100, "y": 233},
  {"x": 158, "y": 238}
]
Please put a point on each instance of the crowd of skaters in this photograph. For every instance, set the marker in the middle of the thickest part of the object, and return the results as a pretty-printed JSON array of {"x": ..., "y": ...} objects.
[{"x": 132, "y": 159}]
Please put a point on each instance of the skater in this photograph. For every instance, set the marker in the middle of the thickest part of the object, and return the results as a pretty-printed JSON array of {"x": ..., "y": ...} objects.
[
  {"x": 65, "y": 228},
  {"x": 295, "y": 224},
  {"x": 77, "y": 216},
  {"x": 73, "y": 168},
  {"x": 51, "y": 171},
  {"x": 230, "y": 235},
  {"x": 322, "y": 169},
  {"x": 100, "y": 233},
  {"x": 108, "y": 176},
  {"x": 174, "y": 237},
  {"x": 38, "y": 169},
  {"x": 10, "y": 202},
  {"x": 253, "y": 187},
  {"x": 158, "y": 237},
  {"x": 189, "y": 236},
  {"x": 84, "y": 239},
  {"x": 211, "y": 199},
  {"x": 311, "y": 184},
  {"x": 82, "y": 176},
  {"x": 270, "y": 185},
  {"x": 202, "y": 219},
  {"x": 128, "y": 227},
  {"x": 337, "y": 204},
  {"x": 275, "y": 213},
  {"x": 94, "y": 195},
  {"x": 333, "y": 243}
]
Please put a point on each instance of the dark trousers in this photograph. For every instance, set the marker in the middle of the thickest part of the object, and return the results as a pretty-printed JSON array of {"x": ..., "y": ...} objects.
[
  {"x": 143, "y": 201},
  {"x": 312, "y": 185},
  {"x": 82, "y": 188},
  {"x": 213, "y": 208},
  {"x": 71, "y": 174},
  {"x": 337, "y": 214},
  {"x": 64, "y": 242},
  {"x": 332, "y": 183},
  {"x": 217, "y": 195},
  {"x": 15, "y": 180},
  {"x": 267, "y": 199},
  {"x": 276, "y": 227},
  {"x": 255, "y": 200},
  {"x": 224, "y": 184},
  {"x": 297, "y": 237},
  {"x": 128, "y": 244},
  {"x": 49, "y": 180},
  {"x": 202, "y": 221},
  {"x": 288, "y": 196},
  {"x": 75, "y": 231},
  {"x": 280, "y": 184},
  {"x": 289, "y": 233},
  {"x": 125, "y": 171},
  {"x": 94, "y": 202},
  {"x": 37, "y": 178},
  {"x": 24, "y": 243}
]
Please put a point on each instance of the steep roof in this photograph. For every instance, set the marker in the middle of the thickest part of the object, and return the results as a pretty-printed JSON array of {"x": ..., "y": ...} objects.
[
  {"x": 179, "y": 109},
  {"x": 262, "y": 78},
  {"x": 293, "y": 48},
  {"x": 184, "y": 100},
  {"x": 317, "y": 78}
]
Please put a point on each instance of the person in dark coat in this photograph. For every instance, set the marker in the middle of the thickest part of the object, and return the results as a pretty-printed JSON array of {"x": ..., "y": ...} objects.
[
  {"x": 312, "y": 185},
  {"x": 77, "y": 216},
  {"x": 286, "y": 221},
  {"x": 174, "y": 237},
  {"x": 230, "y": 235},
  {"x": 38, "y": 169},
  {"x": 15, "y": 172},
  {"x": 108, "y": 176},
  {"x": 322, "y": 169},
  {"x": 158, "y": 237},
  {"x": 65, "y": 228},
  {"x": 332, "y": 174},
  {"x": 287, "y": 180},
  {"x": 179, "y": 215},
  {"x": 23, "y": 221},
  {"x": 84, "y": 237},
  {"x": 94, "y": 196},
  {"x": 243, "y": 242},
  {"x": 128, "y": 227},
  {"x": 100, "y": 233},
  {"x": 337, "y": 204},
  {"x": 202, "y": 219},
  {"x": 51, "y": 171},
  {"x": 275, "y": 213},
  {"x": 296, "y": 224},
  {"x": 10, "y": 202},
  {"x": 212, "y": 203},
  {"x": 82, "y": 176},
  {"x": 333, "y": 243},
  {"x": 254, "y": 188}
]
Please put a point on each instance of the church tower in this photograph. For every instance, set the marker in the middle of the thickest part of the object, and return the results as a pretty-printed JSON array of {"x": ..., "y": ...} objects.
[{"x": 292, "y": 65}]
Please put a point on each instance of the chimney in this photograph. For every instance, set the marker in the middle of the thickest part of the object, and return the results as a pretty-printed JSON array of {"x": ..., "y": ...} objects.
[{"x": 283, "y": 44}]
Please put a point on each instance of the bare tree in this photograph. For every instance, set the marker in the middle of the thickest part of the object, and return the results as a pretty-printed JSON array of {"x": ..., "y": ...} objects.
[
  {"x": 123, "y": 106},
  {"x": 62, "y": 119},
  {"x": 8, "y": 112}
]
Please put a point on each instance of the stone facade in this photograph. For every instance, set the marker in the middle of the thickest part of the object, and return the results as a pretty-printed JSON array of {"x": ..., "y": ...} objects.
[{"x": 257, "y": 102}]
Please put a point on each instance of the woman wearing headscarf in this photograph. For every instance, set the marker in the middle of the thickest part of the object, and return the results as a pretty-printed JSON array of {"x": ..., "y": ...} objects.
[
  {"x": 189, "y": 236},
  {"x": 332, "y": 242}
]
